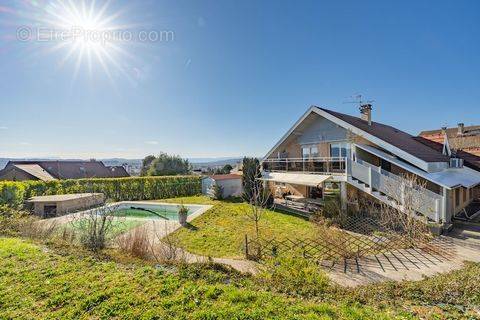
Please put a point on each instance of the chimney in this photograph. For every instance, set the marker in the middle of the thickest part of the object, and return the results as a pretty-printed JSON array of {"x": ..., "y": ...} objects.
[
  {"x": 366, "y": 113},
  {"x": 461, "y": 129}
]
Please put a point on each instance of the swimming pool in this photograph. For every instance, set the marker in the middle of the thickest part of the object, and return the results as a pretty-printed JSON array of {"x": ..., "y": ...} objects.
[{"x": 162, "y": 211}]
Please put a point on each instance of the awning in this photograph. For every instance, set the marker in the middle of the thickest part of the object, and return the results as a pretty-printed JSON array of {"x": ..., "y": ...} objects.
[{"x": 311, "y": 180}]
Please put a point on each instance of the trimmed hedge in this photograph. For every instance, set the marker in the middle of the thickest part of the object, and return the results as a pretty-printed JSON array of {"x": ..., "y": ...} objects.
[{"x": 14, "y": 193}]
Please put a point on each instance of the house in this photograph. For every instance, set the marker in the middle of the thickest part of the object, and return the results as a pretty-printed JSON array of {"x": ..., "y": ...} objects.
[
  {"x": 325, "y": 149},
  {"x": 49, "y": 170},
  {"x": 461, "y": 138},
  {"x": 231, "y": 184}
]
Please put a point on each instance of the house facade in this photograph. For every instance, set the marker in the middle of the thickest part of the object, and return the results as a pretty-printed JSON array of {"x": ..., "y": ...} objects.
[{"x": 368, "y": 159}]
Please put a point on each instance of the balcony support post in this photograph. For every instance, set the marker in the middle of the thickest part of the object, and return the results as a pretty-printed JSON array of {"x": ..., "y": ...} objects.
[{"x": 343, "y": 196}]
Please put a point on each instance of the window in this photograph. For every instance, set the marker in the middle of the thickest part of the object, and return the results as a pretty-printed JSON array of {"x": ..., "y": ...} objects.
[
  {"x": 309, "y": 152},
  {"x": 464, "y": 191},
  {"x": 340, "y": 149},
  {"x": 457, "y": 197}
]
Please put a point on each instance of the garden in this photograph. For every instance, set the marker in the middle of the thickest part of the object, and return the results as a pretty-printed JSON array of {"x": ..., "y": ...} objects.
[{"x": 115, "y": 272}]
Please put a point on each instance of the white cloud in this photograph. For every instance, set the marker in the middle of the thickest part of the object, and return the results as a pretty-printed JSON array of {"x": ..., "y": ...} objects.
[
  {"x": 23, "y": 143},
  {"x": 151, "y": 142}
]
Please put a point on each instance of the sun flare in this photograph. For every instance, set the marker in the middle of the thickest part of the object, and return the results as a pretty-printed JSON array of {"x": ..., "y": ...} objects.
[{"x": 88, "y": 33}]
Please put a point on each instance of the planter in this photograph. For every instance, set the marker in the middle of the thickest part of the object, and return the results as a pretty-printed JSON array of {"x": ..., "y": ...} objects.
[
  {"x": 435, "y": 229},
  {"x": 182, "y": 215}
]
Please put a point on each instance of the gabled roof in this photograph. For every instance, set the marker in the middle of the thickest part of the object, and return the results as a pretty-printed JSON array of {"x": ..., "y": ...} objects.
[
  {"x": 36, "y": 171},
  {"x": 470, "y": 160},
  {"x": 118, "y": 171},
  {"x": 66, "y": 169},
  {"x": 393, "y": 140},
  {"x": 452, "y": 132},
  {"x": 393, "y": 136}
]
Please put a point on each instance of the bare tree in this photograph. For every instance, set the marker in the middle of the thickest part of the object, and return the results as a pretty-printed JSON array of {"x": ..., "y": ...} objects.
[
  {"x": 260, "y": 200},
  {"x": 409, "y": 197},
  {"x": 96, "y": 226}
]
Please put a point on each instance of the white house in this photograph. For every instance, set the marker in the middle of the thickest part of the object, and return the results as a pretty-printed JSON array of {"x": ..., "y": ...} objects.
[
  {"x": 231, "y": 184},
  {"x": 365, "y": 157}
]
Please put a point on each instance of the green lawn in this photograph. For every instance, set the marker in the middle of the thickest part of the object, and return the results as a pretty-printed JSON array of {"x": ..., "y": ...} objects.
[
  {"x": 220, "y": 232},
  {"x": 40, "y": 284}
]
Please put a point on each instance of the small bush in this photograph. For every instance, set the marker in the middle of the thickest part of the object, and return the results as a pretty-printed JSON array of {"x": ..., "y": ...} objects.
[
  {"x": 136, "y": 243},
  {"x": 95, "y": 227},
  {"x": 217, "y": 192},
  {"x": 12, "y": 221}
]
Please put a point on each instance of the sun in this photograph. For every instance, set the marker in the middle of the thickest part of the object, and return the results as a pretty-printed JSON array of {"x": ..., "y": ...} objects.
[{"x": 88, "y": 33}]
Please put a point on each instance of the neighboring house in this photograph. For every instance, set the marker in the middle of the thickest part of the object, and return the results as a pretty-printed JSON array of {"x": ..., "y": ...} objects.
[
  {"x": 367, "y": 159},
  {"x": 59, "y": 169},
  {"x": 462, "y": 138},
  {"x": 231, "y": 184}
]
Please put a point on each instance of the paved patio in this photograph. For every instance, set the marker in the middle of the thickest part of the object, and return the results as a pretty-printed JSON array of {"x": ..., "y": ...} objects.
[{"x": 409, "y": 264}]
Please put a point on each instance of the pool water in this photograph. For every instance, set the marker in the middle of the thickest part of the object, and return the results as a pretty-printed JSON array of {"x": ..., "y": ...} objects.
[{"x": 163, "y": 212}]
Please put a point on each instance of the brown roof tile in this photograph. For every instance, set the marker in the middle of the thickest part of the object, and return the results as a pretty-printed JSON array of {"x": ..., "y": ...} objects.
[{"x": 393, "y": 136}]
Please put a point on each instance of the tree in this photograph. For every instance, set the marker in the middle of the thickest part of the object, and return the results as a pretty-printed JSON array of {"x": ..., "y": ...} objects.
[
  {"x": 226, "y": 169},
  {"x": 408, "y": 192},
  {"x": 259, "y": 201},
  {"x": 254, "y": 192},
  {"x": 165, "y": 165},
  {"x": 250, "y": 179},
  {"x": 146, "y": 163}
]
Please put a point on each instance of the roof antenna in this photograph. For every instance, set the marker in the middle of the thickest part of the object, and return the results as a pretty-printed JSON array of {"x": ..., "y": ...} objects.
[
  {"x": 358, "y": 100},
  {"x": 365, "y": 107}
]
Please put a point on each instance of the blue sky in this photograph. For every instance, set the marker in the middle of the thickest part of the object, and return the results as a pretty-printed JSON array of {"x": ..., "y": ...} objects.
[{"x": 236, "y": 75}]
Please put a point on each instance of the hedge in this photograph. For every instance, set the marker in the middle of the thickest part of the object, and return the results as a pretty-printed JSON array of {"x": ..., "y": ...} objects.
[{"x": 14, "y": 193}]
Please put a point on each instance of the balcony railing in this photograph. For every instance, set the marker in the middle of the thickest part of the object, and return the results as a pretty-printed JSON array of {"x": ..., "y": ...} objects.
[{"x": 324, "y": 165}]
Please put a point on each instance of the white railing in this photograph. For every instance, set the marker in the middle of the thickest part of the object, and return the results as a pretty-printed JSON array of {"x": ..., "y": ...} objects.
[
  {"x": 323, "y": 165},
  {"x": 404, "y": 193}
]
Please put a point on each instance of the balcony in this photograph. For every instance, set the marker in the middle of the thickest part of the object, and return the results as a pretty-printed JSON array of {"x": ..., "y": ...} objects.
[{"x": 324, "y": 165}]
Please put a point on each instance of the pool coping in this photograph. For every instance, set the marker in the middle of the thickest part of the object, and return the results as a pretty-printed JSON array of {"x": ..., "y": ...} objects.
[{"x": 203, "y": 208}]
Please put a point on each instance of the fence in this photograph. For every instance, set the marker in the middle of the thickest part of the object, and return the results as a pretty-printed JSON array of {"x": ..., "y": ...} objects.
[{"x": 358, "y": 239}]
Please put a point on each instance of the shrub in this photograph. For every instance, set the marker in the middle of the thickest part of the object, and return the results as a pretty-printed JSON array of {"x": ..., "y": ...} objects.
[
  {"x": 136, "y": 243},
  {"x": 217, "y": 192},
  {"x": 12, "y": 221},
  {"x": 14, "y": 193},
  {"x": 295, "y": 275}
]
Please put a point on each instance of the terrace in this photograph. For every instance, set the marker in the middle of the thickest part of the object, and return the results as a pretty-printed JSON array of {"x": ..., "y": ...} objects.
[{"x": 315, "y": 165}]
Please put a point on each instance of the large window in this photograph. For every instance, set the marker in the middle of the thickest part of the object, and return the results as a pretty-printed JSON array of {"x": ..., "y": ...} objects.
[
  {"x": 340, "y": 149},
  {"x": 309, "y": 152}
]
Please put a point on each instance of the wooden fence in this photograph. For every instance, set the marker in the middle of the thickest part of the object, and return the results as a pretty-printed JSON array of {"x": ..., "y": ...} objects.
[{"x": 358, "y": 239}]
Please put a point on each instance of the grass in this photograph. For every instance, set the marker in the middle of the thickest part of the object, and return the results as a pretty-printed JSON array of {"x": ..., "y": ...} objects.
[
  {"x": 220, "y": 232},
  {"x": 72, "y": 286}
]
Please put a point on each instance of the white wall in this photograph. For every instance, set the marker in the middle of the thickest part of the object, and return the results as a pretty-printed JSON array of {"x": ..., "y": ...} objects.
[
  {"x": 207, "y": 184},
  {"x": 231, "y": 187}
]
